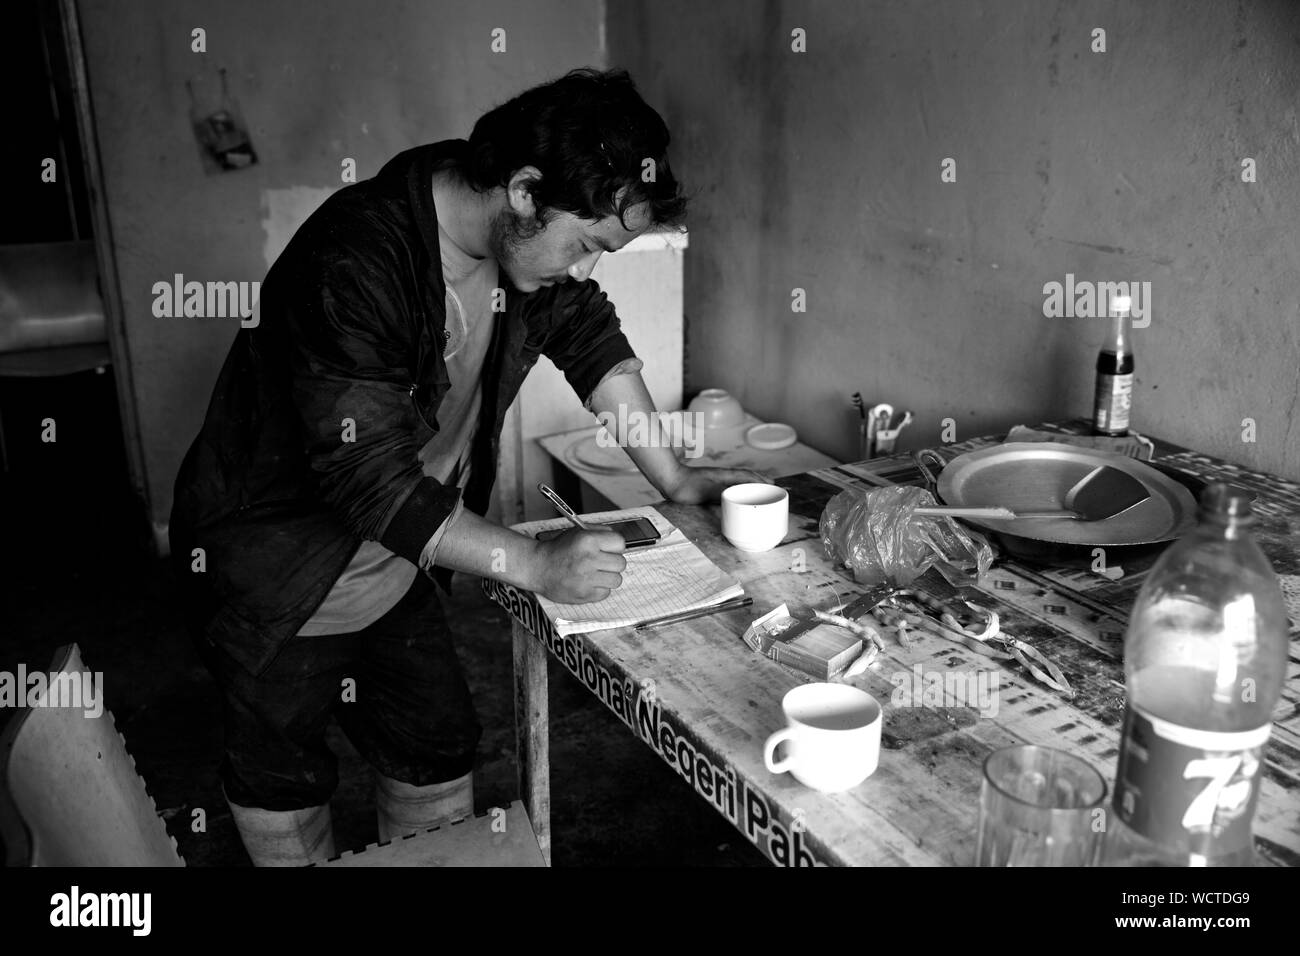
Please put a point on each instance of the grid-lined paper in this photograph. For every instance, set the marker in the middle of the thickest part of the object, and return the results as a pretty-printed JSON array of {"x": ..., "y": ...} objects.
[{"x": 668, "y": 577}]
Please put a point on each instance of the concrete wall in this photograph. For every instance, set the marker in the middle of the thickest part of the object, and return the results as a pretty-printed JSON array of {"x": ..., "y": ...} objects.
[
  {"x": 317, "y": 82},
  {"x": 822, "y": 171}
]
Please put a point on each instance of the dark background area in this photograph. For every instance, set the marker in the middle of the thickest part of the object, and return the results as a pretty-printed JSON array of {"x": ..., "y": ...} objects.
[{"x": 38, "y": 109}]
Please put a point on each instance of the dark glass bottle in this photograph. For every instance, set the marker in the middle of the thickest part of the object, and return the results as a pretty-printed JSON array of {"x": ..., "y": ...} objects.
[{"x": 1113, "y": 398}]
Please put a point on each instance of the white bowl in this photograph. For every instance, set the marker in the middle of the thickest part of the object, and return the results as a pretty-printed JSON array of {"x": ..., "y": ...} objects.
[
  {"x": 770, "y": 436},
  {"x": 720, "y": 410}
]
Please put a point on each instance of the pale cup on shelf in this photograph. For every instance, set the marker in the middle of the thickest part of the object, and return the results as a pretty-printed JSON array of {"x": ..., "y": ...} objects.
[
  {"x": 717, "y": 409},
  {"x": 832, "y": 737},
  {"x": 755, "y": 517}
]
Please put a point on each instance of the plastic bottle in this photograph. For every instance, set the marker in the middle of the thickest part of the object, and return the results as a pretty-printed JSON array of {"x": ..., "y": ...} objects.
[{"x": 1204, "y": 662}]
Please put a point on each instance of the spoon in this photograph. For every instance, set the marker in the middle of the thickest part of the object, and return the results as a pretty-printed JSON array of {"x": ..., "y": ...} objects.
[{"x": 1102, "y": 493}]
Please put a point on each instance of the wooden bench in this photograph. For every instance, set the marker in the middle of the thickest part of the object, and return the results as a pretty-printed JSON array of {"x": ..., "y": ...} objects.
[{"x": 500, "y": 837}]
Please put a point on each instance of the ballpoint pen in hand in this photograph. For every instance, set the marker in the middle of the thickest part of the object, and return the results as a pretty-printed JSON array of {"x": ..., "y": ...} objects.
[{"x": 562, "y": 506}]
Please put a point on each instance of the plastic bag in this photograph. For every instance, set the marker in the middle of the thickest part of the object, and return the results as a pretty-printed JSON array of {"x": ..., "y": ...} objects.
[{"x": 874, "y": 532}]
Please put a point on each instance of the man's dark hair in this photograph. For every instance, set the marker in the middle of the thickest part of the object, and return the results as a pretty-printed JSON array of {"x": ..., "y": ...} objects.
[{"x": 589, "y": 133}]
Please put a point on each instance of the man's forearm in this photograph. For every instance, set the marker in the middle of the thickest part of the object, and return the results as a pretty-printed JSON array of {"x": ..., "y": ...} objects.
[
  {"x": 655, "y": 457},
  {"x": 477, "y": 546}
]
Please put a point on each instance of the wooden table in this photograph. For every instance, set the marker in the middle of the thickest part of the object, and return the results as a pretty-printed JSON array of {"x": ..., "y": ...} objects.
[{"x": 704, "y": 702}]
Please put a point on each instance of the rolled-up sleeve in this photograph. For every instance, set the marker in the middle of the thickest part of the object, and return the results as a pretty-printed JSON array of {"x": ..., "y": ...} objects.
[
  {"x": 586, "y": 340},
  {"x": 351, "y": 337},
  {"x": 429, "y": 556}
]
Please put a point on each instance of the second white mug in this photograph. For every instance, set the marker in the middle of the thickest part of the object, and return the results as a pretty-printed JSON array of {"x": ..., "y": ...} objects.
[{"x": 755, "y": 516}]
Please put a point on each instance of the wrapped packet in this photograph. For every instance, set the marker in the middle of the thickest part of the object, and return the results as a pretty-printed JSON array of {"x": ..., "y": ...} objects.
[{"x": 874, "y": 532}]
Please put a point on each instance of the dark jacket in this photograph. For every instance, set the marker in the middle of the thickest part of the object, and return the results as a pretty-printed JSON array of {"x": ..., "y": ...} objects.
[{"x": 352, "y": 319}]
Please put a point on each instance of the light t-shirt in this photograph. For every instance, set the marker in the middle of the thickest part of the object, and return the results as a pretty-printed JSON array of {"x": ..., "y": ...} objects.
[{"x": 376, "y": 578}]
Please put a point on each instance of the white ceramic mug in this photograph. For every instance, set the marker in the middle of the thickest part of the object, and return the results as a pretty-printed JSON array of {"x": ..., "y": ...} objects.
[
  {"x": 755, "y": 516},
  {"x": 833, "y": 737}
]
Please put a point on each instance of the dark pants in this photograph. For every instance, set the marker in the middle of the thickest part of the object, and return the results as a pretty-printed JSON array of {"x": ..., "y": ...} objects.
[{"x": 409, "y": 713}]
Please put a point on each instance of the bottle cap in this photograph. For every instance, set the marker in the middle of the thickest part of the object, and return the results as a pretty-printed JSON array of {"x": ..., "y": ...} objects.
[
  {"x": 1120, "y": 305},
  {"x": 1223, "y": 500}
]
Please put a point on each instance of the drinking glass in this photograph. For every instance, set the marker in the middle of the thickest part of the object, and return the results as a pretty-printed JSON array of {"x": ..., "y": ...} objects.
[{"x": 1039, "y": 807}]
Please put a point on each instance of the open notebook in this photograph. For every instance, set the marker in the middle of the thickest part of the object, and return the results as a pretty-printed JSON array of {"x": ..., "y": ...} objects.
[{"x": 669, "y": 576}]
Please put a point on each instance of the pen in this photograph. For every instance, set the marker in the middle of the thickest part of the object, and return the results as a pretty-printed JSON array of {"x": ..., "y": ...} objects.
[
  {"x": 562, "y": 506},
  {"x": 699, "y": 612}
]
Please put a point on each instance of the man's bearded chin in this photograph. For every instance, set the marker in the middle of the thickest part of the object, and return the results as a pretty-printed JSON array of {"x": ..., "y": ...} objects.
[{"x": 507, "y": 235}]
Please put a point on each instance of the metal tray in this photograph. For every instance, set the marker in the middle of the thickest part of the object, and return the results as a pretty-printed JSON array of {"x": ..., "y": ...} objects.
[{"x": 1036, "y": 475}]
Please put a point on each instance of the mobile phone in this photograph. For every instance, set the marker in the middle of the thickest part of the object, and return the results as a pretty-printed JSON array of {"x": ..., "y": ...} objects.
[{"x": 636, "y": 532}]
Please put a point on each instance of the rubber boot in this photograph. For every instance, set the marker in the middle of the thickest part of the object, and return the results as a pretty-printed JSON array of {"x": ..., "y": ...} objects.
[
  {"x": 405, "y": 808},
  {"x": 285, "y": 837}
]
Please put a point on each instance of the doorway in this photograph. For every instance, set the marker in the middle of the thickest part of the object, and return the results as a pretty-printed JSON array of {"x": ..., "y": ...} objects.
[{"x": 70, "y": 479}]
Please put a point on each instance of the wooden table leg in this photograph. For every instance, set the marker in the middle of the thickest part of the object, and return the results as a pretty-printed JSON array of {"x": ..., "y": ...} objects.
[{"x": 532, "y": 733}]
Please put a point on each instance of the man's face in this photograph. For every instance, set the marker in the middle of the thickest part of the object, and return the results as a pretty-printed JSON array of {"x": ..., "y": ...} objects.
[{"x": 567, "y": 248}]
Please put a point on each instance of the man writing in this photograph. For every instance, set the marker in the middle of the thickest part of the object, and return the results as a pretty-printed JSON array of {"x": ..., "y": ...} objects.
[{"x": 351, "y": 443}]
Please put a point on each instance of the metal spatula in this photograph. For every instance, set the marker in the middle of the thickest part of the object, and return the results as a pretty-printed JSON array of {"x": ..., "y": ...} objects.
[{"x": 1102, "y": 493}]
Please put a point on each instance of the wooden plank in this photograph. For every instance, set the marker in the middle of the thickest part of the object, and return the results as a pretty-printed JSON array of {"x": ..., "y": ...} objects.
[
  {"x": 500, "y": 837},
  {"x": 532, "y": 734}
]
